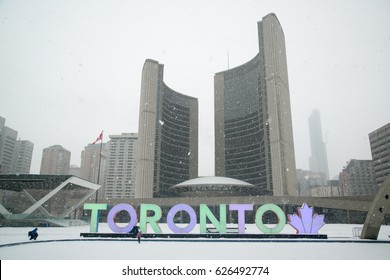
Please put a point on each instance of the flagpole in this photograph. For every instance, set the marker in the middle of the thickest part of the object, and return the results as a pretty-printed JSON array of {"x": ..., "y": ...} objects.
[{"x": 100, "y": 160}]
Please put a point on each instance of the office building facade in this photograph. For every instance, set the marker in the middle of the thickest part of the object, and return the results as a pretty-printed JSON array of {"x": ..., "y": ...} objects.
[
  {"x": 55, "y": 161},
  {"x": 15, "y": 155},
  {"x": 380, "y": 151},
  {"x": 168, "y": 135},
  {"x": 253, "y": 126},
  {"x": 358, "y": 178},
  {"x": 121, "y": 166}
]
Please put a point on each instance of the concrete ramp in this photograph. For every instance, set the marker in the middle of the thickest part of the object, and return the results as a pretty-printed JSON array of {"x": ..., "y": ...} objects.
[{"x": 379, "y": 208}]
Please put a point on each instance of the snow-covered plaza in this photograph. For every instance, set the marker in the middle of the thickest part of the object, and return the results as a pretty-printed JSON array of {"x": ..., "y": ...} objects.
[
  {"x": 56, "y": 243},
  {"x": 60, "y": 253}
]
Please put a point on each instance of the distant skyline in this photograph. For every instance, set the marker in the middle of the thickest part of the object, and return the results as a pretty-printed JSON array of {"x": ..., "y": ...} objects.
[{"x": 70, "y": 69}]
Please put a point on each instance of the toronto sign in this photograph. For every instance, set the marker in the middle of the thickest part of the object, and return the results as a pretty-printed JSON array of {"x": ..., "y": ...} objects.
[{"x": 304, "y": 222}]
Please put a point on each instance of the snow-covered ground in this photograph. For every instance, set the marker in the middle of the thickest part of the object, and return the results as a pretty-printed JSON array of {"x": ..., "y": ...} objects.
[{"x": 66, "y": 244}]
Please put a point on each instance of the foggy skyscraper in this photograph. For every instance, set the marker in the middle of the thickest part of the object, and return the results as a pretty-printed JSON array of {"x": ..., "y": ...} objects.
[{"x": 318, "y": 162}]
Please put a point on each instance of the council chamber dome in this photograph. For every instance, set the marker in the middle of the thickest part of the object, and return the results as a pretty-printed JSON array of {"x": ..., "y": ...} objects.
[{"x": 212, "y": 186}]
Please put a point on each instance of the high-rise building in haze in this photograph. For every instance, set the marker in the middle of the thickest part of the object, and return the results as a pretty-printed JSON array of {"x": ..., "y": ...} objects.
[
  {"x": 22, "y": 157},
  {"x": 15, "y": 155},
  {"x": 91, "y": 162},
  {"x": 380, "y": 151},
  {"x": 121, "y": 166},
  {"x": 318, "y": 161},
  {"x": 167, "y": 151},
  {"x": 55, "y": 161},
  {"x": 7, "y": 147},
  {"x": 253, "y": 126}
]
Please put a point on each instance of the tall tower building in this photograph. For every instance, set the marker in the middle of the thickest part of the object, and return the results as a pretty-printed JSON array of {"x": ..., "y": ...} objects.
[
  {"x": 121, "y": 166},
  {"x": 168, "y": 135},
  {"x": 318, "y": 161},
  {"x": 55, "y": 161},
  {"x": 22, "y": 157},
  {"x": 380, "y": 151},
  {"x": 7, "y": 147},
  {"x": 253, "y": 126}
]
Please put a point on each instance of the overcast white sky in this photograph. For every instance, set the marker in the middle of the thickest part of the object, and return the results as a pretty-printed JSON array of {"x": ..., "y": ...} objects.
[{"x": 70, "y": 69}]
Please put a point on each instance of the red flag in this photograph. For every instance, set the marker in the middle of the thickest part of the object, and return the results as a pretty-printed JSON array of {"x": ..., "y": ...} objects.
[{"x": 99, "y": 138}]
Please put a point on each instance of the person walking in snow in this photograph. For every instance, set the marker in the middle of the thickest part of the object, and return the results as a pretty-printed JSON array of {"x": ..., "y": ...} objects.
[
  {"x": 136, "y": 233},
  {"x": 33, "y": 234}
]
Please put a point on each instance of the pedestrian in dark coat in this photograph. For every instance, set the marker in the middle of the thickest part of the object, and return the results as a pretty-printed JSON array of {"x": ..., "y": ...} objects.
[
  {"x": 136, "y": 233},
  {"x": 33, "y": 234}
]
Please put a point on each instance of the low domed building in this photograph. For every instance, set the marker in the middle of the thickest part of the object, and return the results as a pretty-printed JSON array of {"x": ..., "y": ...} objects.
[{"x": 213, "y": 186}]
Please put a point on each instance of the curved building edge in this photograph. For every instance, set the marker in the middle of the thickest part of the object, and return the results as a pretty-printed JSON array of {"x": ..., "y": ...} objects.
[
  {"x": 168, "y": 135},
  {"x": 267, "y": 129}
]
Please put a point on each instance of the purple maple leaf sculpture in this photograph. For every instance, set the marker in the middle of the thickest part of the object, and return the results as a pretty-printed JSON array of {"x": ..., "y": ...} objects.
[{"x": 305, "y": 222}]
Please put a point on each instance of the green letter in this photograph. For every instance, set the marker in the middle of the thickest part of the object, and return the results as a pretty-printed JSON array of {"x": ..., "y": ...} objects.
[
  {"x": 94, "y": 225},
  {"x": 206, "y": 213},
  {"x": 152, "y": 220},
  {"x": 273, "y": 208}
]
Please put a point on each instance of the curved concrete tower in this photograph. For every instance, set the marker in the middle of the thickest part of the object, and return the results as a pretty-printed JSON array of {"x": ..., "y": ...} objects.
[
  {"x": 253, "y": 126},
  {"x": 167, "y": 135}
]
